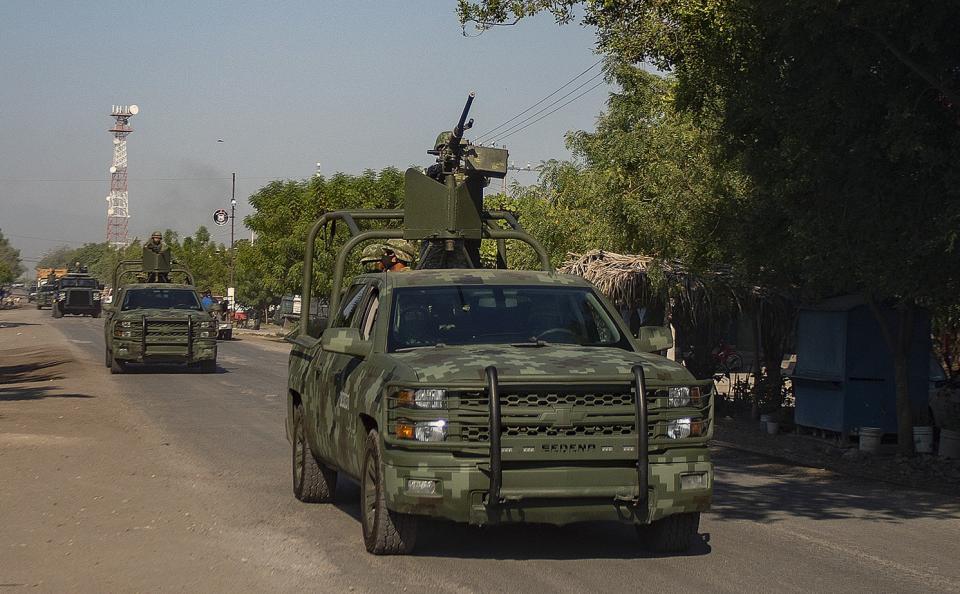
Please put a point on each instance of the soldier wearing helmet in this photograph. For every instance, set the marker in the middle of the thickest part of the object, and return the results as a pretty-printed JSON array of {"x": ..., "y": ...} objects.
[
  {"x": 398, "y": 254},
  {"x": 371, "y": 257},
  {"x": 159, "y": 247}
]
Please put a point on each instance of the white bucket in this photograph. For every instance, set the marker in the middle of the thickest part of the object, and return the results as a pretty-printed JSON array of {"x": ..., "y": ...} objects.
[
  {"x": 870, "y": 439},
  {"x": 773, "y": 427},
  {"x": 923, "y": 440},
  {"x": 764, "y": 419},
  {"x": 949, "y": 443}
]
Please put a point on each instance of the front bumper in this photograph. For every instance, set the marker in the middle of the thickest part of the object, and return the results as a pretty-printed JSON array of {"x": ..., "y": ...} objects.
[
  {"x": 79, "y": 309},
  {"x": 158, "y": 352},
  {"x": 550, "y": 494}
]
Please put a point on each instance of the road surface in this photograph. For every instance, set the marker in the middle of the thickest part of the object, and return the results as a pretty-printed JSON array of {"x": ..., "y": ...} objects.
[{"x": 167, "y": 480}]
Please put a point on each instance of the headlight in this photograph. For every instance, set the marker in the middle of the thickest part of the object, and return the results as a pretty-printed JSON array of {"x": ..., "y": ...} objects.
[
  {"x": 96, "y": 296},
  {"x": 207, "y": 334},
  {"x": 212, "y": 324},
  {"x": 427, "y": 398},
  {"x": 120, "y": 333},
  {"x": 125, "y": 324},
  {"x": 683, "y": 396},
  {"x": 61, "y": 295},
  {"x": 422, "y": 430},
  {"x": 678, "y": 428}
]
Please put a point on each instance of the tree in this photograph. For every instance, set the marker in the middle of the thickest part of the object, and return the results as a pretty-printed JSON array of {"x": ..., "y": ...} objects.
[
  {"x": 285, "y": 211},
  {"x": 843, "y": 115},
  {"x": 10, "y": 259}
]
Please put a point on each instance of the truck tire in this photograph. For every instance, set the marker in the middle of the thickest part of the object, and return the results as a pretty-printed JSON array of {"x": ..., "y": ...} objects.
[
  {"x": 208, "y": 366},
  {"x": 95, "y": 314},
  {"x": 108, "y": 358},
  {"x": 385, "y": 532},
  {"x": 673, "y": 534},
  {"x": 117, "y": 366},
  {"x": 55, "y": 311},
  {"x": 313, "y": 482}
]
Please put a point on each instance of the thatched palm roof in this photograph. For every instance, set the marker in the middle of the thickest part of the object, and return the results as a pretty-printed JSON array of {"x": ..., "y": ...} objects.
[{"x": 629, "y": 280}]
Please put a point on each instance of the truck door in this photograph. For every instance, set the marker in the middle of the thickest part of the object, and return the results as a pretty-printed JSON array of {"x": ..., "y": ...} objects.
[
  {"x": 322, "y": 379},
  {"x": 351, "y": 380}
]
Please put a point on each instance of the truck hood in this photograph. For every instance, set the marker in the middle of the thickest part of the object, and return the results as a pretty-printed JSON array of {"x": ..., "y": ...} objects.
[{"x": 467, "y": 363}]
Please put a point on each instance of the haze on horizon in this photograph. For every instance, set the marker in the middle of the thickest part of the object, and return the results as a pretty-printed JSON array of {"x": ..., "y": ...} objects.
[{"x": 362, "y": 85}]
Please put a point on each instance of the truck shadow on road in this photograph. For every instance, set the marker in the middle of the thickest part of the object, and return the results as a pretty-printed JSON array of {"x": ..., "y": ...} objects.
[
  {"x": 32, "y": 372},
  {"x": 162, "y": 369},
  {"x": 589, "y": 540},
  {"x": 752, "y": 487},
  {"x": 9, "y": 325},
  {"x": 19, "y": 393}
]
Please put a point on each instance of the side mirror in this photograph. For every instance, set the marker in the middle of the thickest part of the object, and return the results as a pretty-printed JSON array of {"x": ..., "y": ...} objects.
[
  {"x": 346, "y": 341},
  {"x": 654, "y": 338}
]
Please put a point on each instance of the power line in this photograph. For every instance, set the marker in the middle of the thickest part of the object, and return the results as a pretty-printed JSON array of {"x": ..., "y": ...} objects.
[
  {"x": 133, "y": 179},
  {"x": 566, "y": 84},
  {"x": 550, "y": 113}
]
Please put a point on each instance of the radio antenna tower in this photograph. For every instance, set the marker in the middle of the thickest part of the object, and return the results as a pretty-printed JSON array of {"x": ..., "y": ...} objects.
[{"x": 118, "y": 207}]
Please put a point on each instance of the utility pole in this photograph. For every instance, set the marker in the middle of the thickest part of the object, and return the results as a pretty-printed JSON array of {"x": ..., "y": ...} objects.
[{"x": 233, "y": 212}]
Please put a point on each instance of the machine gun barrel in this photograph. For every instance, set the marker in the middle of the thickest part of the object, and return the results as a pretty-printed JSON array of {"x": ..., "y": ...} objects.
[{"x": 462, "y": 124}]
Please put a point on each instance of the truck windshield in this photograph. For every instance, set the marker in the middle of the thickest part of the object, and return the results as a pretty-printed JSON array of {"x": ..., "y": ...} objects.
[
  {"x": 161, "y": 299},
  {"x": 86, "y": 283},
  {"x": 500, "y": 315}
]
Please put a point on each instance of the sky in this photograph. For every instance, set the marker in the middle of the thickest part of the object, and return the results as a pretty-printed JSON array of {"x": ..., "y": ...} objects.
[{"x": 353, "y": 85}]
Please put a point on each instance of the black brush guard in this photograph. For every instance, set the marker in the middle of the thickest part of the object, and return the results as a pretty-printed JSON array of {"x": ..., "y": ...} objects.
[
  {"x": 639, "y": 385},
  {"x": 143, "y": 335}
]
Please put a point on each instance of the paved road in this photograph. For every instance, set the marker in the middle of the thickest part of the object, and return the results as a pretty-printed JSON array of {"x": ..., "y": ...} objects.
[{"x": 773, "y": 527}]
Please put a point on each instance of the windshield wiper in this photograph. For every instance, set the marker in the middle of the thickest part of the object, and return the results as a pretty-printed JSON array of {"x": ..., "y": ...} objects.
[
  {"x": 439, "y": 345},
  {"x": 533, "y": 343}
]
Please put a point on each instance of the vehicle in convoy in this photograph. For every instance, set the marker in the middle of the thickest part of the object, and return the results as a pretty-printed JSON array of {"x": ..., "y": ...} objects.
[
  {"x": 287, "y": 314},
  {"x": 487, "y": 396},
  {"x": 153, "y": 320},
  {"x": 77, "y": 293}
]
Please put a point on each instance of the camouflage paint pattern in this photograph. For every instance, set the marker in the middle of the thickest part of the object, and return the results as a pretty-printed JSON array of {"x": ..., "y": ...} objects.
[
  {"x": 344, "y": 396},
  {"x": 131, "y": 348}
]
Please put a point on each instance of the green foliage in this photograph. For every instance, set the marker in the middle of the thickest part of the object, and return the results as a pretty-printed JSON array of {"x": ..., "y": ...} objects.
[
  {"x": 649, "y": 180},
  {"x": 208, "y": 261},
  {"x": 285, "y": 211},
  {"x": 9, "y": 260}
]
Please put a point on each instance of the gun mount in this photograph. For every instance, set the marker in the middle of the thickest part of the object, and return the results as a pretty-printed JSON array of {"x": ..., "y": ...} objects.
[
  {"x": 153, "y": 267},
  {"x": 443, "y": 210},
  {"x": 444, "y": 205}
]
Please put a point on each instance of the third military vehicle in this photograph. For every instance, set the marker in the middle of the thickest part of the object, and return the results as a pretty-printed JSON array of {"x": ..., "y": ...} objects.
[
  {"x": 487, "y": 396},
  {"x": 76, "y": 293},
  {"x": 152, "y": 320}
]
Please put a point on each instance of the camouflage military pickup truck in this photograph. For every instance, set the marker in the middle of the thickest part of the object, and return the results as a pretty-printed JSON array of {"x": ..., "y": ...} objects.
[
  {"x": 489, "y": 396},
  {"x": 157, "y": 322},
  {"x": 469, "y": 391}
]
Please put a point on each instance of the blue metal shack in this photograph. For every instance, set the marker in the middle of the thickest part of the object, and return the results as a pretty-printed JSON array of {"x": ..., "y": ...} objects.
[{"x": 844, "y": 375}]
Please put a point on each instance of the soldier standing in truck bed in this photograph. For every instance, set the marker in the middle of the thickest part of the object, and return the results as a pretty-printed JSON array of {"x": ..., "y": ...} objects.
[{"x": 159, "y": 247}]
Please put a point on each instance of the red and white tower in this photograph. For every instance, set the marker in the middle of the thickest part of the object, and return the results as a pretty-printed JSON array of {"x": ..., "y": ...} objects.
[{"x": 118, "y": 206}]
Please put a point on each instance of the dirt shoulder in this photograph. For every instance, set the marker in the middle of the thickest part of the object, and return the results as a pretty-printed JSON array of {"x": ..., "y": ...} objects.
[
  {"x": 924, "y": 472},
  {"x": 92, "y": 497}
]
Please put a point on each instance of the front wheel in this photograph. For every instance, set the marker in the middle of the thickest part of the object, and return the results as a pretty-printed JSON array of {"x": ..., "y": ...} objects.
[
  {"x": 55, "y": 311},
  {"x": 208, "y": 366},
  {"x": 108, "y": 357},
  {"x": 96, "y": 314},
  {"x": 385, "y": 532},
  {"x": 673, "y": 534},
  {"x": 116, "y": 366},
  {"x": 313, "y": 482}
]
